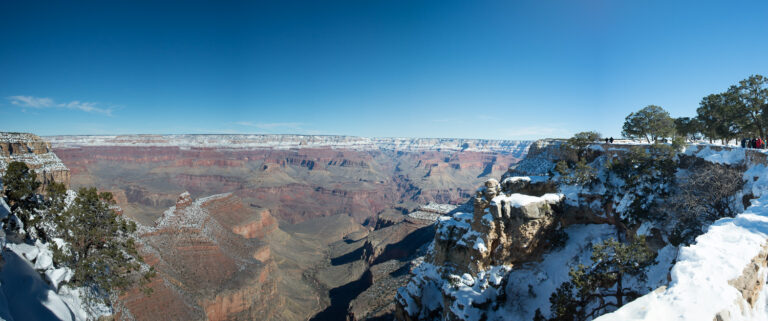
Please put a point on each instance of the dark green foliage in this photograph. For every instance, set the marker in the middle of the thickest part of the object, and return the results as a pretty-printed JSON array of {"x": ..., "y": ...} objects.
[
  {"x": 651, "y": 123},
  {"x": 741, "y": 111},
  {"x": 577, "y": 173},
  {"x": 751, "y": 100},
  {"x": 599, "y": 288},
  {"x": 575, "y": 148},
  {"x": 20, "y": 184},
  {"x": 583, "y": 139},
  {"x": 101, "y": 251},
  {"x": 647, "y": 173},
  {"x": 687, "y": 127},
  {"x": 720, "y": 116}
]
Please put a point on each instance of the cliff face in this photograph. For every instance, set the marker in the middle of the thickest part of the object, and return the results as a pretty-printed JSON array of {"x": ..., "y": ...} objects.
[
  {"x": 498, "y": 261},
  {"x": 297, "y": 178},
  {"x": 211, "y": 268},
  {"x": 36, "y": 153},
  {"x": 287, "y": 240}
]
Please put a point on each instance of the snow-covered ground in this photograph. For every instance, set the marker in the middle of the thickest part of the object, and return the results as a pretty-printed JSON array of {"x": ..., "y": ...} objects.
[
  {"x": 700, "y": 286},
  {"x": 32, "y": 288}
]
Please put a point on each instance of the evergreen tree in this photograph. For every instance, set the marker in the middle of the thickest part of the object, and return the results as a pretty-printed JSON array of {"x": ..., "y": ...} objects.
[
  {"x": 577, "y": 173},
  {"x": 583, "y": 139},
  {"x": 752, "y": 101},
  {"x": 721, "y": 118},
  {"x": 651, "y": 123},
  {"x": 687, "y": 127},
  {"x": 101, "y": 250},
  {"x": 20, "y": 184},
  {"x": 600, "y": 287}
]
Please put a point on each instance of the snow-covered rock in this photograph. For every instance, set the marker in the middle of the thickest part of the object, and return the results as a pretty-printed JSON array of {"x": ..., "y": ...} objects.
[{"x": 721, "y": 276}]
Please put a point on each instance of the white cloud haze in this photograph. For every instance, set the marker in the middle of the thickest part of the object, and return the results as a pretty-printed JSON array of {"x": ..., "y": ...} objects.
[{"x": 41, "y": 102}]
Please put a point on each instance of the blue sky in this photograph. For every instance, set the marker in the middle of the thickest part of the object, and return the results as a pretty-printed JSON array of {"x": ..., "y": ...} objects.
[{"x": 475, "y": 69}]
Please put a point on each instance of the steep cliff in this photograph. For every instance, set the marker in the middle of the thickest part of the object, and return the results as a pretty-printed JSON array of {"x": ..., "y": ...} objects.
[
  {"x": 36, "y": 153},
  {"x": 212, "y": 262},
  {"x": 504, "y": 260}
]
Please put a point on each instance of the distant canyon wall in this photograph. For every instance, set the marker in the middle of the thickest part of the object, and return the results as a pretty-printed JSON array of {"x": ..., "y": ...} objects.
[{"x": 296, "y": 177}]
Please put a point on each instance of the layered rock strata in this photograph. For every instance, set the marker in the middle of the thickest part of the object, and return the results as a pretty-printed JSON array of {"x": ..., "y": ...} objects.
[{"x": 36, "y": 153}]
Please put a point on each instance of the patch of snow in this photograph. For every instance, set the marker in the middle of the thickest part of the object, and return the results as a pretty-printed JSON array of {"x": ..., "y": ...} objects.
[
  {"x": 596, "y": 147},
  {"x": 519, "y": 200},
  {"x": 27, "y": 251},
  {"x": 438, "y": 208},
  {"x": 28, "y": 297},
  {"x": 728, "y": 156}
]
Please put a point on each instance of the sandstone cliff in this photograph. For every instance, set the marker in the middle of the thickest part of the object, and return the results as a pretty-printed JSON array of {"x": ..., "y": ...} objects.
[{"x": 36, "y": 153}]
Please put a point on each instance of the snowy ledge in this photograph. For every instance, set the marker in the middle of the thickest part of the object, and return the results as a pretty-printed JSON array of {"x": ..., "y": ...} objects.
[
  {"x": 699, "y": 287},
  {"x": 520, "y": 200}
]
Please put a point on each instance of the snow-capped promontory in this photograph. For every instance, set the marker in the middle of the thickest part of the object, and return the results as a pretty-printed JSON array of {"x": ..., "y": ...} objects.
[{"x": 498, "y": 264}]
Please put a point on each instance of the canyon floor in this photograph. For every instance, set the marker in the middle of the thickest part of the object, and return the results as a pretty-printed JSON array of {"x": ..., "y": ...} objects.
[{"x": 307, "y": 232}]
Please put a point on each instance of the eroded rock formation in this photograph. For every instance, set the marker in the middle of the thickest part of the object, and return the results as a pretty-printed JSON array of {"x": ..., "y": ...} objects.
[
  {"x": 504, "y": 228},
  {"x": 36, "y": 153},
  {"x": 211, "y": 268}
]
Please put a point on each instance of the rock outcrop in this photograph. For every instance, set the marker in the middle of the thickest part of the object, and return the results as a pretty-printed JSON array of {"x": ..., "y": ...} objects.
[
  {"x": 209, "y": 270},
  {"x": 503, "y": 229},
  {"x": 36, "y": 153}
]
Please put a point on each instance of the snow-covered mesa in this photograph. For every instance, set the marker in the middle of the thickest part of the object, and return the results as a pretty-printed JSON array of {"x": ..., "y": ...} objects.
[
  {"x": 295, "y": 141},
  {"x": 701, "y": 280}
]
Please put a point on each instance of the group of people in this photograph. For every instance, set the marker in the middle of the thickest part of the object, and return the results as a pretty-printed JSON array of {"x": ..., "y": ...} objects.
[
  {"x": 754, "y": 143},
  {"x": 609, "y": 140}
]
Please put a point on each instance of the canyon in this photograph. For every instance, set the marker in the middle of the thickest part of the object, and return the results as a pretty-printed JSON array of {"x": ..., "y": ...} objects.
[{"x": 280, "y": 227}]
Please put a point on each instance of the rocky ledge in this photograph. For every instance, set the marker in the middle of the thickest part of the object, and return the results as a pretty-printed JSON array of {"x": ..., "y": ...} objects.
[{"x": 36, "y": 153}]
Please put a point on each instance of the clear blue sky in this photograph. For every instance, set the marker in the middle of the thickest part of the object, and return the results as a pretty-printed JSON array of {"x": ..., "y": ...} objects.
[{"x": 477, "y": 69}]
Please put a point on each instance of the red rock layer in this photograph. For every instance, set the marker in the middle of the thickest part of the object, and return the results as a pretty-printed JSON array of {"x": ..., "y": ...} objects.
[{"x": 295, "y": 185}]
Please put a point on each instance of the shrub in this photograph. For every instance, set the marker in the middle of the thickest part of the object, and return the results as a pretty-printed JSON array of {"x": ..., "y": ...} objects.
[{"x": 707, "y": 194}]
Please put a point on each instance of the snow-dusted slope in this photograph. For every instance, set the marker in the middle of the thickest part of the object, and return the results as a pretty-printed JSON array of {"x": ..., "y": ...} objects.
[
  {"x": 296, "y": 141},
  {"x": 25, "y": 295},
  {"x": 704, "y": 281}
]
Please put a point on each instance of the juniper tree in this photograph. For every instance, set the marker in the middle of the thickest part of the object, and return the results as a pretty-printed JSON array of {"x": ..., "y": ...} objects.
[
  {"x": 651, "y": 123},
  {"x": 20, "y": 185},
  {"x": 101, "y": 251}
]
